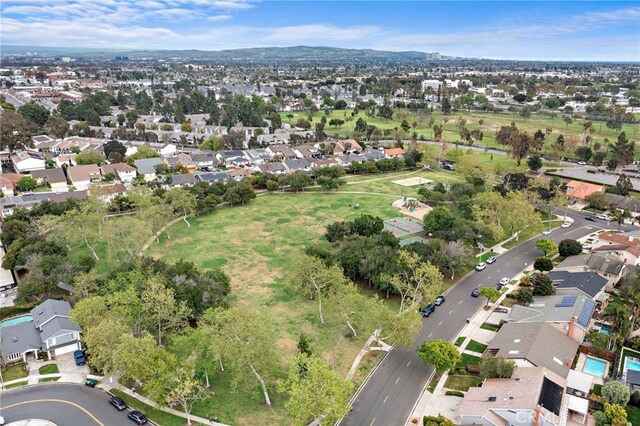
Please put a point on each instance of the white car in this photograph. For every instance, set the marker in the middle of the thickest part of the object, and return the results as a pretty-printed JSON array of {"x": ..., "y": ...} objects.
[
  {"x": 546, "y": 232},
  {"x": 505, "y": 281},
  {"x": 565, "y": 225},
  {"x": 602, "y": 216},
  {"x": 582, "y": 163},
  {"x": 586, "y": 246},
  {"x": 480, "y": 266}
]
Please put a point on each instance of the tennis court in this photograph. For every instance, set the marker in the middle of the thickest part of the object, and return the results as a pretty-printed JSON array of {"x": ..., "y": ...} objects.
[{"x": 401, "y": 227}]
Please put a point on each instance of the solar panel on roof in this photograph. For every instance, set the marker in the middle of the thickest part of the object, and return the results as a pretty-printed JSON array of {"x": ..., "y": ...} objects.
[
  {"x": 567, "y": 302},
  {"x": 585, "y": 313}
]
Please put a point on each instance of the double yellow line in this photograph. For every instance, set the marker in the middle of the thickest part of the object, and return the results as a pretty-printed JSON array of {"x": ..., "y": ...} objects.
[{"x": 60, "y": 401}]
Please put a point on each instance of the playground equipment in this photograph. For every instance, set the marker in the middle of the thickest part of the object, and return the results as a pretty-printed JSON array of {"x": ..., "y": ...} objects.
[{"x": 410, "y": 203}]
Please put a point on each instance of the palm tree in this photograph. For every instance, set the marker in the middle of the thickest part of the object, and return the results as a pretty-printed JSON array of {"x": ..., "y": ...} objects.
[
  {"x": 618, "y": 216},
  {"x": 618, "y": 316},
  {"x": 630, "y": 293}
]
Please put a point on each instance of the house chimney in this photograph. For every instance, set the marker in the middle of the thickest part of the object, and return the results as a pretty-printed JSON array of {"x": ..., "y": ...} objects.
[
  {"x": 630, "y": 238},
  {"x": 536, "y": 420},
  {"x": 571, "y": 327}
]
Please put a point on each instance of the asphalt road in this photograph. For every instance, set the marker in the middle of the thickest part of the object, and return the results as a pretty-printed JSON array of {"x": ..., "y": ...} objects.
[
  {"x": 62, "y": 404},
  {"x": 392, "y": 391}
]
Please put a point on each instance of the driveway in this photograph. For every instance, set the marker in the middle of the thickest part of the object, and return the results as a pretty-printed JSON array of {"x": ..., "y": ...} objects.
[{"x": 69, "y": 371}]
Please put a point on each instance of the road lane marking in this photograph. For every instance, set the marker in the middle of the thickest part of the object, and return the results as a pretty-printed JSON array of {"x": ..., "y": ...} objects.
[
  {"x": 450, "y": 312},
  {"x": 498, "y": 270},
  {"x": 408, "y": 363},
  {"x": 430, "y": 334},
  {"x": 372, "y": 422},
  {"x": 517, "y": 258},
  {"x": 385, "y": 400},
  {"x": 397, "y": 380},
  {"x": 61, "y": 401},
  {"x": 460, "y": 302},
  {"x": 440, "y": 323}
]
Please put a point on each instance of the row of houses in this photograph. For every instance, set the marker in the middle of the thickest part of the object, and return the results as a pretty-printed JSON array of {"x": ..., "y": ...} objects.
[{"x": 545, "y": 338}]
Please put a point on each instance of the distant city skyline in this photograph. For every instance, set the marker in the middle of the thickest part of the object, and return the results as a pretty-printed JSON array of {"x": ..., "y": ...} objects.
[{"x": 579, "y": 31}]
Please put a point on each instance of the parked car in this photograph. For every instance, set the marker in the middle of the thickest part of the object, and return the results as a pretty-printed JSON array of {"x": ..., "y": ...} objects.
[
  {"x": 447, "y": 166},
  {"x": 480, "y": 266},
  {"x": 439, "y": 300},
  {"x": 505, "y": 281},
  {"x": 565, "y": 225},
  {"x": 491, "y": 260},
  {"x": 138, "y": 417},
  {"x": 602, "y": 217},
  {"x": 79, "y": 358},
  {"x": 118, "y": 403},
  {"x": 498, "y": 286},
  {"x": 546, "y": 232},
  {"x": 590, "y": 218},
  {"x": 582, "y": 163},
  {"x": 474, "y": 292},
  {"x": 428, "y": 310},
  {"x": 91, "y": 383},
  {"x": 586, "y": 246}
]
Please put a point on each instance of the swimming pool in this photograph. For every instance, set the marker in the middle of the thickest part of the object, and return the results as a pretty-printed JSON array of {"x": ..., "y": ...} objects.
[
  {"x": 595, "y": 367},
  {"x": 603, "y": 328},
  {"x": 631, "y": 364},
  {"x": 16, "y": 320}
]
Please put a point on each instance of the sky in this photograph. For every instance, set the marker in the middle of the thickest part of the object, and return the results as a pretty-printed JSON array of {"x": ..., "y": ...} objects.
[{"x": 541, "y": 30}]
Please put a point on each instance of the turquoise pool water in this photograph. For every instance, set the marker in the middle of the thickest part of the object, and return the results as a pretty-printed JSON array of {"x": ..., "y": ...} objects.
[
  {"x": 16, "y": 320},
  {"x": 595, "y": 367},
  {"x": 631, "y": 364}
]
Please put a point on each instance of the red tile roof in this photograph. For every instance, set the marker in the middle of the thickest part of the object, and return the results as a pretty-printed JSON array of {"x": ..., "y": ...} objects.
[{"x": 581, "y": 190}]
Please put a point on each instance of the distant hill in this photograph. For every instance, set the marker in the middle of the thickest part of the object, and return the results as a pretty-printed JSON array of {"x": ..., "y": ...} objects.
[{"x": 293, "y": 54}]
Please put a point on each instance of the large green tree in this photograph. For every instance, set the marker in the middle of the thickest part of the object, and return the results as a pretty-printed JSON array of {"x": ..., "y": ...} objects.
[{"x": 441, "y": 353}]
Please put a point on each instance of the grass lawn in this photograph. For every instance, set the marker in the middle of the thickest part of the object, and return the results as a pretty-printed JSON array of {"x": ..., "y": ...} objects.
[
  {"x": 14, "y": 372},
  {"x": 462, "y": 383},
  {"x": 157, "y": 416},
  {"x": 468, "y": 360},
  {"x": 474, "y": 346},
  {"x": 489, "y": 327},
  {"x": 255, "y": 244},
  {"x": 49, "y": 369},
  {"x": 434, "y": 382},
  {"x": 633, "y": 415},
  {"x": 48, "y": 379},
  {"x": 459, "y": 341},
  {"x": 17, "y": 384},
  {"x": 507, "y": 302}
]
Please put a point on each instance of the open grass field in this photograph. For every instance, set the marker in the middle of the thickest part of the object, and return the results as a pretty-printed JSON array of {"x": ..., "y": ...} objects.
[
  {"x": 491, "y": 124},
  {"x": 255, "y": 245}
]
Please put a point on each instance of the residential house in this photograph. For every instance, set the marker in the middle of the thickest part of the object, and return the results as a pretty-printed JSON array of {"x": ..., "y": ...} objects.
[
  {"x": 531, "y": 397},
  {"x": 239, "y": 174},
  {"x": 49, "y": 330},
  {"x": 82, "y": 176},
  {"x": 8, "y": 181},
  {"x": 293, "y": 166},
  {"x": 273, "y": 168},
  {"x": 108, "y": 192},
  {"x": 232, "y": 158},
  {"x": 348, "y": 146},
  {"x": 393, "y": 152},
  {"x": 534, "y": 345},
  {"x": 68, "y": 159},
  {"x": 569, "y": 314},
  {"x": 122, "y": 171},
  {"x": 608, "y": 265},
  {"x": 258, "y": 155},
  {"x": 307, "y": 151},
  {"x": 373, "y": 154},
  {"x": 588, "y": 283},
  {"x": 55, "y": 178},
  {"x": 182, "y": 180},
  {"x": 204, "y": 159},
  {"x": 579, "y": 191},
  {"x": 212, "y": 177},
  {"x": 27, "y": 161},
  {"x": 173, "y": 161},
  {"x": 147, "y": 167},
  {"x": 283, "y": 152},
  {"x": 623, "y": 203},
  {"x": 626, "y": 245}
]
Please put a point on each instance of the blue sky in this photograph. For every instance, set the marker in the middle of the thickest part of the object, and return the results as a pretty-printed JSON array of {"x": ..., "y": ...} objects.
[{"x": 605, "y": 30}]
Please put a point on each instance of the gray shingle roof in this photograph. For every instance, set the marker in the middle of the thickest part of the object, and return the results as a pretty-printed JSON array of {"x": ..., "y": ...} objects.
[
  {"x": 545, "y": 309},
  {"x": 589, "y": 283},
  {"x": 183, "y": 179},
  {"x": 18, "y": 338},
  {"x": 49, "y": 309},
  {"x": 56, "y": 325},
  {"x": 539, "y": 343},
  {"x": 147, "y": 166}
]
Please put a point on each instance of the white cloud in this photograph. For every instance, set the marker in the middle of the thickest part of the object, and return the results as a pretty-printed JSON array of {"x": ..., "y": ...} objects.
[
  {"x": 319, "y": 32},
  {"x": 219, "y": 18}
]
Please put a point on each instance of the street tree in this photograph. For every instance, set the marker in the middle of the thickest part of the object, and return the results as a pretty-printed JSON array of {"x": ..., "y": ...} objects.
[
  {"x": 624, "y": 184},
  {"x": 34, "y": 113},
  {"x": 441, "y": 353},
  {"x": 598, "y": 201},
  {"x": 248, "y": 345},
  {"x": 534, "y": 162},
  {"x": 320, "y": 393},
  {"x": 415, "y": 281},
  {"x": 490, "y": 293},
  {"x": 547, "y": 246},
  {"x": 101, "y": 339},
  {"x": 543, "y": 264},
  {"x": 317, "y": 281}
]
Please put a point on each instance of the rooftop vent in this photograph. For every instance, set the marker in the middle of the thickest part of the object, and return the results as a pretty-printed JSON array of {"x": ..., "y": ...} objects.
[
  {"x": 14, "y": 338},
  {"x": 492, "y": 399}
]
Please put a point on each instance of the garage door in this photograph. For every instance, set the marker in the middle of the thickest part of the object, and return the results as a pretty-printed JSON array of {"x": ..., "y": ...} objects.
[{"x": 65, "y": 349}]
